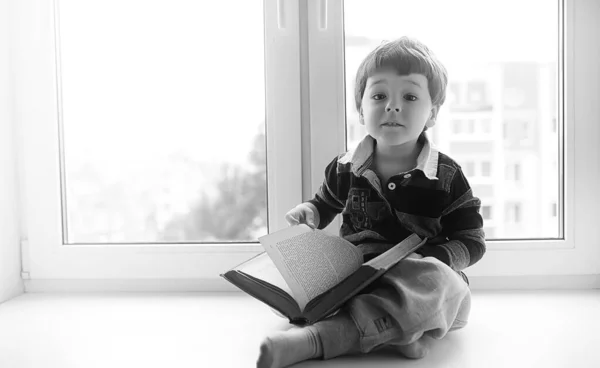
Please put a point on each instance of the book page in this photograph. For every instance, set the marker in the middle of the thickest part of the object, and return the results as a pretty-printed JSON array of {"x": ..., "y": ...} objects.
[
  {"x": 262, "y": 267},
  {"x": 311, "y": 261}
]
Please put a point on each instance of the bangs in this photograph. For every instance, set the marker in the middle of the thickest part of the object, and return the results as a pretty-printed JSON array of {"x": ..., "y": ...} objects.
[
  {"x": 402, "y": 61},
  {"x": 404, "y": 57}
]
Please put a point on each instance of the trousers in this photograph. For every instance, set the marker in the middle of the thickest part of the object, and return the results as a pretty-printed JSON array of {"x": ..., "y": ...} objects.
[{"x": 413, "y": 299}]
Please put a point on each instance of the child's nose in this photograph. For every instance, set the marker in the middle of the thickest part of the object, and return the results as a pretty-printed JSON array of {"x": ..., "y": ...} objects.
[{"x": 390, "y": 108}]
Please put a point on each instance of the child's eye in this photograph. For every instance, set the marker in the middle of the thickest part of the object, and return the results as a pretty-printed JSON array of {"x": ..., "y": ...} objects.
[
  {"x": 378, "y": 96},
  {"x": 410, "y": 98}
]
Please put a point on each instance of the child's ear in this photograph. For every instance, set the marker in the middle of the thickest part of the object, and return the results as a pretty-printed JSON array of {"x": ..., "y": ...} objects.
[
  {"x": 432, "y": 117},
  {"x": 361, "y": 118}
]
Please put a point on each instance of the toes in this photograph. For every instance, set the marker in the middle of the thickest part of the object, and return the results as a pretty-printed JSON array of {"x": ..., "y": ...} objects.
[{"x": 266, "y": 358}]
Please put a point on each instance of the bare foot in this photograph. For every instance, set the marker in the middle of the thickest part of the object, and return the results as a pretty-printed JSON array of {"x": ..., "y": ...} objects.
[{"x": 284, "y": 348}]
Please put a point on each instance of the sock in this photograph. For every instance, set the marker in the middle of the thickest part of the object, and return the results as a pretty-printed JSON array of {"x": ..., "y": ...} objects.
[
  {"x": 416, "y": 350},
  {"x": 339, "y": 335},
  {"x": 284, "y": 348}
]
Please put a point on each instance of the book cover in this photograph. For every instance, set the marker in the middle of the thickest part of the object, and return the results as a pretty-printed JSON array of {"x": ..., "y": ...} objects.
[{"x": 307, "y": 274}]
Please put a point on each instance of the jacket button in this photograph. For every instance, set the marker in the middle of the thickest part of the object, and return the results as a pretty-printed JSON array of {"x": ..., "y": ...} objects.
[
  {"x": 406, "y": 176},
  {"x": 392, "y": 186}
]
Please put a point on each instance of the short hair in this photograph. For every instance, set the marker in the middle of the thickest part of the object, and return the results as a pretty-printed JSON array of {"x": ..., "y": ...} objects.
[{"x": 406, "y": 55}]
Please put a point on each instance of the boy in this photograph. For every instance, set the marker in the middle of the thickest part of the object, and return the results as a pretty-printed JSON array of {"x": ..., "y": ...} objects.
[{"x": 393, "y": 184}]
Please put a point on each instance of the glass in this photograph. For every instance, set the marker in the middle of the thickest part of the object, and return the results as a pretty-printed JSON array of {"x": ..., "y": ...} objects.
[
  {"x": 162, "y": 118},
  {"x": 502, "y": 75},
  {"x": 486, "y": 212},
  {"x": 469, "y": 168},
  {"x": 486, "y": 169}
]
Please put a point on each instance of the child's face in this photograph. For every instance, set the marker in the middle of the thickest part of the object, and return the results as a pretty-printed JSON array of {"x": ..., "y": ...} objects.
[{"x": 395, "y": 108}]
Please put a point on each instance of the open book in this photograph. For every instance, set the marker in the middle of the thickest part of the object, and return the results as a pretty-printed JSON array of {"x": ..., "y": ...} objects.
[{"x": 307, "y": 274}]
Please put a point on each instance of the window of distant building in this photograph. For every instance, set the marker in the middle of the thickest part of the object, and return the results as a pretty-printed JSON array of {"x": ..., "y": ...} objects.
[
  {"x": 513, "y": 172},
  {"x": 517, "y": 132},
  {"x": 486, "y": 212},
  {"x": 513, "y": 213},
  {"x": 454, "y": 93},
  {"x": 490, "y": 233},
  {"x": 486, "y": 168},
  {"x": 524, "y": 130},
  {"x": 471, "y": 126},
  {"x": 457, "y": 126},
  {"x": 469, "y": 168},
  {"x": 486, "y": 125},
  {"x": 476, "y": 93}
]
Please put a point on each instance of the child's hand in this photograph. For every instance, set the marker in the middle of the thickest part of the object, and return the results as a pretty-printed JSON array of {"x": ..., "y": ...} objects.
[
  {"x": 414, "y": 255},
  {"x": 303, "y": 214}
]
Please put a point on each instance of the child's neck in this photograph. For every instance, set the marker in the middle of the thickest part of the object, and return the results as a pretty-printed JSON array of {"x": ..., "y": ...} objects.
[
  {"x": 393, "y": 160},
  {"x": 404, "y": 156}
]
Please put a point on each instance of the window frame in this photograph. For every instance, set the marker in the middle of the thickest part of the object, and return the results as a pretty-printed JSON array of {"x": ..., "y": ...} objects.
[
  {"x": 48, "y": 263},
  {"x": 573, "y": 254},
  {"x": 311, "y": 104}
]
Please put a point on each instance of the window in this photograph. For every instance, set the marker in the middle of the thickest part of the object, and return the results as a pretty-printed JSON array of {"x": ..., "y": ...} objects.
[
  {"x": 154, "y": 147},
  {"x": 542, "y": 67},
  {"x": 504, "y": 61},
  {"x": 524, "y": 128},
  {"x": 159, "y": 158},
  {"x": 486, "y": 213},
  {"x": 477, "y": 93},
  {"x": 513, "y": 213},
  {"x": 489, "y": 232},
  {"x": 469, "y": 168},
  {"x": 486, "y": 169},
  {"x": 486, "y": 125},
  {"x": 311, "y": 50},
  {"x": 513, "y": 172},
  {"x": 454, "y": 93},
  {"x": 517, "y": 133},
  {"x": 471, "y": 129},
  {"x": 457, "y": 126}
]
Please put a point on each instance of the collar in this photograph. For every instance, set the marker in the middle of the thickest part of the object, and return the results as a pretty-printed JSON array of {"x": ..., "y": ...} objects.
[{"x": 361, "y": 157}]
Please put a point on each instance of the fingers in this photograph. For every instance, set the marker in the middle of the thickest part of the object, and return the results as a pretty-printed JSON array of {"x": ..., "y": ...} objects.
[
  {"x": 310, "y": 218},
  {"x": 292, "y": 218},
  {"x": 414, "y": 256},
  {"x": 301, "y": 215}
]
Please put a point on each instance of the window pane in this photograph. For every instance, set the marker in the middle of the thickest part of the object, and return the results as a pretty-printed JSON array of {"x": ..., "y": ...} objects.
[
  {"x": 505, "y": 73},
  {"x": 163, "y": 121},
  {"x": 486, "y": 169},
  {"x": 486, "y": 212}
]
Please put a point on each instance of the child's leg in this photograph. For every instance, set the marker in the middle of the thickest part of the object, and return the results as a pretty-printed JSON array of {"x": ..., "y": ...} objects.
[
  {"x": 416, "y": 298},
  {"x": 420, "y": 348},
  {"x": 415, "y": 301}
]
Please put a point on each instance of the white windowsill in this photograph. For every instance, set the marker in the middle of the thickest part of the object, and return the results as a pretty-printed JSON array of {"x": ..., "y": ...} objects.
[
  {"x": 218, "y": 284},
  {"x": 551, "y": 329}
]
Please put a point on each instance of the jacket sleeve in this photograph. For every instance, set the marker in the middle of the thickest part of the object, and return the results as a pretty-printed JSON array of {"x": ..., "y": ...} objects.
[
  {"x": 462, "y": 228},
  {"x": 326, "y": 200}
]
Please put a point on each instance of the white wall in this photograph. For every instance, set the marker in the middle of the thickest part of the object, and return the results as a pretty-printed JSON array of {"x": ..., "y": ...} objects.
[{"x": 10, "y": 256}]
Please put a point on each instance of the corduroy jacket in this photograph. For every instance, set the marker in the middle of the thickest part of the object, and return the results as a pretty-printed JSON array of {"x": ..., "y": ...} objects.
[{"x": 433, "y": 200}]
